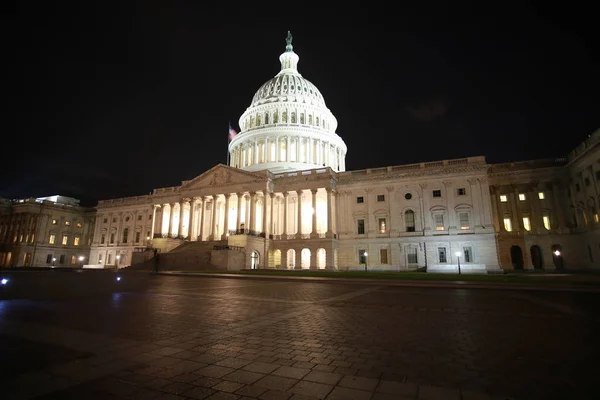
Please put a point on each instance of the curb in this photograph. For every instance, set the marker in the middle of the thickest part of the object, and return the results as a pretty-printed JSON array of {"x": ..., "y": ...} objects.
[{"x": 384, "y": 282}]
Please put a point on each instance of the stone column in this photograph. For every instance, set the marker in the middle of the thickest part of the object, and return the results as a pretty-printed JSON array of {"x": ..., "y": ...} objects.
[
  {"x": 313, "y": 232},
  {"x": 288, "y": 149},
  {"x": 516, "y": 209},
  {"x": 329, "y": 213},
  {"x": 558, "y": 206},
  {"x": 154, "y": 207},
  {"x": 226, "y": 221},
  {"x": 251, "y": 219},
  {"x": 201, "y": 216},
  {"x": 256, "y": 153},
  {"x": 213, "y": 218},
  {"x": 191, "y": 220},
  {"x": 180, "y": 230},
  {"x": 425, "y": 214},
  {"x": 272, "y": 229},
  {"x": 239, "y": 211},
  {"x": 264, "y": 224},
  {"x": 298, "y": 151},
  {"x": 299, "y": 230},
  {"x": 498, "y": 217},
  {"x": 285, "y": 213}
]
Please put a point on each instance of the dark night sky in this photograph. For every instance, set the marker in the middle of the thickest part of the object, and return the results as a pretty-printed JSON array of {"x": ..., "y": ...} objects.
[{"x": 115, "y": 99}]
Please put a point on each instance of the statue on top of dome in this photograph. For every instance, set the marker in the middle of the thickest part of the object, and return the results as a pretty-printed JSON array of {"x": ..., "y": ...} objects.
[{"x": 288, "y": 41}]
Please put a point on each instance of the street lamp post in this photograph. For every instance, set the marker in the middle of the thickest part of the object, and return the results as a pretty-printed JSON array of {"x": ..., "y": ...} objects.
[
  {"x": 458, "y": 257},
  {"x": 81, "y": 261},
  {"x": 53, "y": 261},
  {"x": 366, "y": 255}
]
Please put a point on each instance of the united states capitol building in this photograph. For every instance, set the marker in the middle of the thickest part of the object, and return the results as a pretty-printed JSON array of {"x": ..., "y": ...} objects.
[{"x": 286, "y": 201}]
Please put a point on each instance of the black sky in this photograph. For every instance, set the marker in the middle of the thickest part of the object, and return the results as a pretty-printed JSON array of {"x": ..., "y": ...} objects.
[{"x": 113, "y": 99}]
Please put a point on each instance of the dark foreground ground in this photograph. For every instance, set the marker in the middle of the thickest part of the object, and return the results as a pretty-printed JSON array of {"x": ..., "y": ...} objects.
[{"x": 87, "y": 336}]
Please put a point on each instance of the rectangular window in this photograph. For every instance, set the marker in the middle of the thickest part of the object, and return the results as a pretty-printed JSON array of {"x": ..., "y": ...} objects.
[
  {"x": 112, "y": 238},
  {"x": 361, "y": 226},
  {"x": 62, "y": 259},
  {"x": 526, "y": 223},
  {"x": 105, "y": 220},
  {"x": 73, "y": 260},
  {"x": 360, "y": 199},
  {"x": 541, "y": 195},
  {"x": 380, "y": 197},
  {"x": 503, "y": 198},
  {"x": 65, "y": 239},
  {"x": 79, "y": 225},
  {"x": 507, "y": 224},
  {"x": 52, "y": 239},
  {"x": 463, "y": 218},
  {"x": 438, "y": 219},
  {"x": 382, "y": 227},
  {"x": 76, "y": 241},
  {"x": 468, "y": 254},
  {"x": 150, "y": 216},
  {"x": 102, "y": 238},
  {"x": 521, "y": 196},
  {"x": 437, "y": 193},
  {"x": 99, "y": 258},
  {"x": 461, "y": 191},
  {"x": 139, "y": 217},
  {"x": 362, "y": 256},
  {"x": 412, "y": 255},
  {"x": 54, "y": 222},
  {"x": 148, "y": 235},
  {"x": 68, "y": 223},
  {"x": 383, "y": 256},
  {"x": 442, "y": 254},
  {"x": 48, "y": 258},
  {"x": 546, "y": 219},
  {"x": 410, "y": 221},
  {"x": 137, "y": 237},
  {"x": 114, "y": 220}
]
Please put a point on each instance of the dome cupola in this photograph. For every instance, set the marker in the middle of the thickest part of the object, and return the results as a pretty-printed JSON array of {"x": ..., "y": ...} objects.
[{"x": 287, "y": 127}]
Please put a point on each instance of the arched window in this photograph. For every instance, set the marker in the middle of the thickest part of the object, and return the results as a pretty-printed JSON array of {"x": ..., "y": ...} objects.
[
  {"x": 266, "y": 118},
  {"x": 275, "y": 117},
  {"x": 409, "y": 220},
  {"x": 284, "y": 117},
  {"x": 258, "y": 120},
  {"x": 293, "y": 117},
  {"x": 125, "y": 234},
  {"x": 302, "y": 118}
]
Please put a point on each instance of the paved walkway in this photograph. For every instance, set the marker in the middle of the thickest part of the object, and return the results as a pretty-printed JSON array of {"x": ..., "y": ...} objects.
[{"x": 193, "y": 338}]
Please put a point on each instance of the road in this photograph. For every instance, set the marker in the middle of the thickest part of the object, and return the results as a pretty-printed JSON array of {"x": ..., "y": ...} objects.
[{"x": 224, "y": 338}]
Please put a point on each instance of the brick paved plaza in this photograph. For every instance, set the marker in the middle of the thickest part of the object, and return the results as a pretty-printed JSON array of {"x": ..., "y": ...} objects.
[{"x": 175, "y": 337}]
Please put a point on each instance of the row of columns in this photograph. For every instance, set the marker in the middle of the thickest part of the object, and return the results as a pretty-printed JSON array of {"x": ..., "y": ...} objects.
[
  {"x": 309, "y": 151},
  {"x": 251, "y": 214}
]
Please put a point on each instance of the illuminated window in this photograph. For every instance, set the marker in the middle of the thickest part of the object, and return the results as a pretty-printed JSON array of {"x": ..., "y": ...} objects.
[
  {"x": 383, "y": 256},
  {"x": 361, "y": 226},
  {"x": 32, "y": 237},
  {"x": 503, "y": 198},
  {"x": 463, "y": 218},
  {"x": 526, "y": 223},
  {"x": 54, "y": 222},
  {"x": 595, "y": 217},
  {"x": 382, "y": 226},
  {"x": 52, "y": 239},
  {"x": 73, "y": 260},
  {"x": 507, "y": 224},
  {"x": 79, "y": 225},
  {"x": 541, "y": 195},
  {"x": 546, "y": 219},
  {"x": 65, "y": 239},
  {"x": 439, "y": 222},
  {"x": 521, "y": 196},
  {"x": 21, "y": 238},
  {"x": 76, "y": 241},
  {"x": 442, "y": 255},
  {"x": 68, "y": 223}
]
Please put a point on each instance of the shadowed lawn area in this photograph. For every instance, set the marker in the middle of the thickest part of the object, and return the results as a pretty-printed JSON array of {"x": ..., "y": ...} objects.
[{"x": 422, "y": 276}]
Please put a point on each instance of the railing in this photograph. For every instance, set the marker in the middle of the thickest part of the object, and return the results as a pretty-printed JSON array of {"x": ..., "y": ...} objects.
[
  {"x": 245, "y": 232},
  {"x": 227, "y": 247},
  {"x": 305, "y": 236},
  {"x": 167, "y": 236},
  {"x": 424, "y": 165}
]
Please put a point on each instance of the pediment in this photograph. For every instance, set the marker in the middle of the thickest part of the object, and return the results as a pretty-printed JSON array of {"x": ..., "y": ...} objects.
[{"x": 223, "y": 175}]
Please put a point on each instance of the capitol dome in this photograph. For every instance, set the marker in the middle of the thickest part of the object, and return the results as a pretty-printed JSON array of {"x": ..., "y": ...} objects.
[{"x": 287, "y": 127}]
